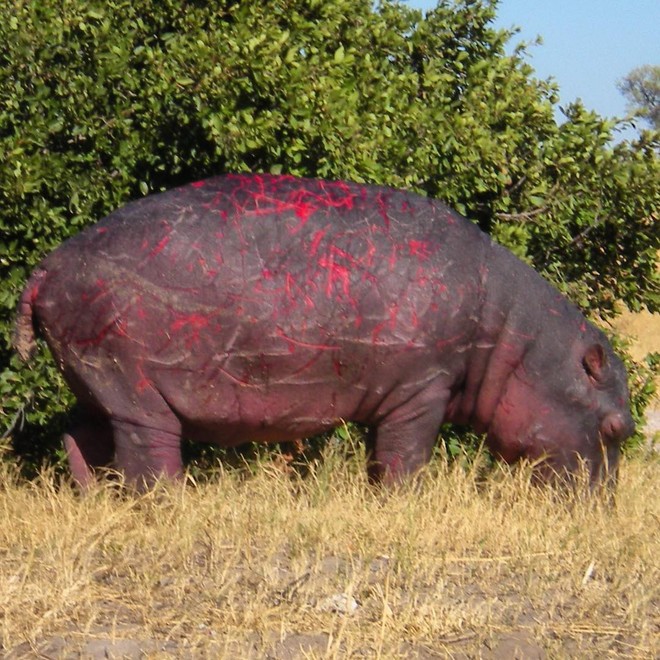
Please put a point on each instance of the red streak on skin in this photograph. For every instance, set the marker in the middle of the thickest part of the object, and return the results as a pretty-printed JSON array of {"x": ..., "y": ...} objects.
[
  {"x": 393, "y": 257},
  {"x": 371, "y": 253},
  {"x": 162, "y": 244},
  {"x": 208, "y": 272},
  {"x": 303, "y": 203},
  {"x": 336, "y": 274},
  {"x": 314, "y": 245},
  {"x": 381, "y": 204},
  {"x": 419, "y": 249},
  {"x": 389, "y": 323},
  {"x": 120, "y": 329},
  {"x": 518, "y": 335},
  {"x": 195, "y": 321},
  {"x": 394, "y": 313},
  {"x": 290, "y": 284},
  {"x": 101, "y": 230},
  {"x": 198, "y": 184},
  {"x": 583, "y": 327},
  {"x": 293, "y": 343},
  {"x": 87, "y": 298},
  {"x": 442, "y": 343},
  {"x": 143, "y": 382},
  {"x": 194, "y": 325},
  {"x": 116, "y": 327}
]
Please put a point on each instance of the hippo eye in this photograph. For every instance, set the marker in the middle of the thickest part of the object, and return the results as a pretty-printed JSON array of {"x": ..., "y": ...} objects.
[{"x": 593, "y": 362}]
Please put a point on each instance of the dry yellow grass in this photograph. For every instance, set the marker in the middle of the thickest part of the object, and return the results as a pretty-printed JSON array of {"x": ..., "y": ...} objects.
[
  {"x": 642, "y": 329},
  {"x": 269, "y": 564}
]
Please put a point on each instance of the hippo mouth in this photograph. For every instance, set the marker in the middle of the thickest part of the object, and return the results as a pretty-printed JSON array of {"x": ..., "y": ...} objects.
[{"x": 556, "y": 462}]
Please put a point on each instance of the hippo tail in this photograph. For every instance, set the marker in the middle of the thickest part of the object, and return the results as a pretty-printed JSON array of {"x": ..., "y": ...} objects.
[{"x": 23, "y": 336}]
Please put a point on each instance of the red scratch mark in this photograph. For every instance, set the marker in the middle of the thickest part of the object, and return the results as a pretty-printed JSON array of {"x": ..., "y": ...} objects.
[
  {"x": 303, "y": 210},
  {"x": 297, "y": 343},
  {"x": 193, "y": 324},
  {"x": 318, "y": 237},
  {"x": 195, "y": 321},
  {"x": 381, "y": 204},
  {"x": 393, "y": 257},
  {"x": 101, "y": 230},
  {"x": 337, "y": 274},
  {"x": 142, "y": 384},
  {"x": 115, "y": 327},
  {"x": 198, "y": 184},
  {"x": 290, "y": 284},
  {"x": 442, "y": 343},
  {"x": 162, "y": 244},
  {"x": 266, "y": 197},
  {"x": 371, "y": 253},
  {"x": 390, "y": 323},
  {"x": 143, "y": 381},
  {"x": 419, "y": 249}
]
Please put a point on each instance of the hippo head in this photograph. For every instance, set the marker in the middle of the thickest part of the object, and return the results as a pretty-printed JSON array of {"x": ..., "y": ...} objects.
[{"x": 565, "y": 407}]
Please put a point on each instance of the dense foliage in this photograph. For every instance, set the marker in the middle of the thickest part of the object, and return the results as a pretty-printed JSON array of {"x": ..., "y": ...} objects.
[{"x": 101, "y": 102}]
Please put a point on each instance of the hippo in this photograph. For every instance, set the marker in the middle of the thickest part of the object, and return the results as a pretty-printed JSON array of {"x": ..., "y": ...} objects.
[{"x": 268, "y": 308}]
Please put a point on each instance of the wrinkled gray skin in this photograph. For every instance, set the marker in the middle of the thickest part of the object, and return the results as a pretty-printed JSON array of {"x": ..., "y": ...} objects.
[{"x": 260, "y": 308}]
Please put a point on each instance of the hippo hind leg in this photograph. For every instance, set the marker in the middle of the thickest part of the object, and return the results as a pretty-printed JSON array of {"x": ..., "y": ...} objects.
[
  {"x": 141, "y": 454},
  {"x": 89, "y": 444},
  {"x": 144, "y": 454}
]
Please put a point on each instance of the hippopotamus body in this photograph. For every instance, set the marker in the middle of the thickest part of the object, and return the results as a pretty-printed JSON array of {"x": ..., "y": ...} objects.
[{"x": 268, "y": 308}]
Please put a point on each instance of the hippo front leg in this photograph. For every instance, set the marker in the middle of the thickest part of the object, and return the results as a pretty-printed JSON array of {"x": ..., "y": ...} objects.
[{"x": 402, "y": 442}]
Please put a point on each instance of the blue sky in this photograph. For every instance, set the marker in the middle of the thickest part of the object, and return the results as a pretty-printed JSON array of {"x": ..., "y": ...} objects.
[{"x": 587, "y": 44}]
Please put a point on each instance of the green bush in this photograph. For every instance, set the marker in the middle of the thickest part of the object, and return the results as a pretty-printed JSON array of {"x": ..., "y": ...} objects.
[{"x": 104, "y": 102}]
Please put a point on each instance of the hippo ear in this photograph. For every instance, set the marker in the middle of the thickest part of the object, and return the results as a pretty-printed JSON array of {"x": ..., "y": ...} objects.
[{"x": 593, "y": 362}]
